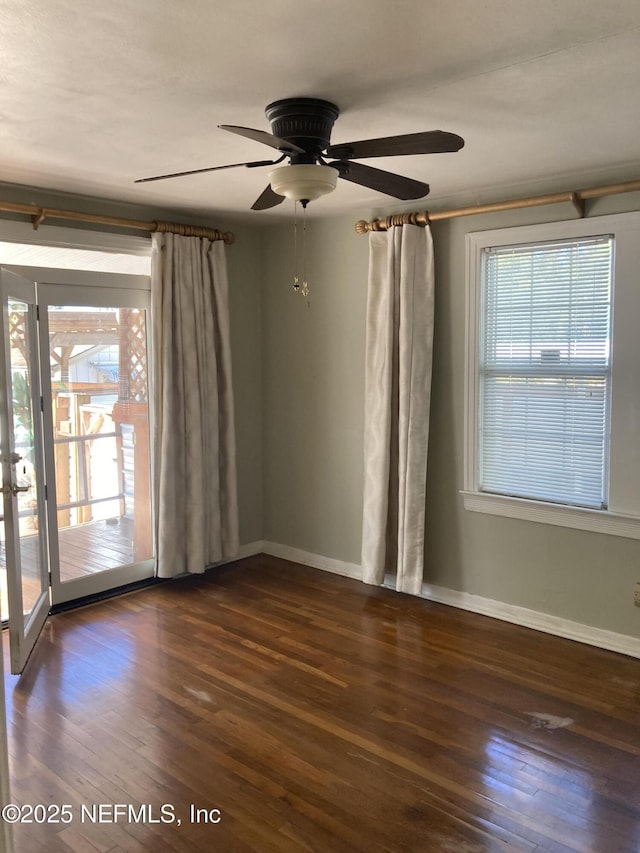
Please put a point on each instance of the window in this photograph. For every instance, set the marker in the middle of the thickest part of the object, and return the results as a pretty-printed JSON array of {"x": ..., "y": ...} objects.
[
  {"x": 544, "y": 371},
  {"x": 553, "y": 402}
]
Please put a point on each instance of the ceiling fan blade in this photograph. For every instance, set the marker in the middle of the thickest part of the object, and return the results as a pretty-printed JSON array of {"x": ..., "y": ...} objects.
[
  {"x": 264, "y": 137},
  {"x": 267, "y": 199},
  {"x": 384, "y": 182},
  {"x": 429, "y": 142},
  {"x": 210, "y": 169}
]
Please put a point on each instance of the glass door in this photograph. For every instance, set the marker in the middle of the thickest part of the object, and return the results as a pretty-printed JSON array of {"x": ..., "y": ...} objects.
[
  {"x": 23, "y": 557},
  {"x": 93, "y": 343}
]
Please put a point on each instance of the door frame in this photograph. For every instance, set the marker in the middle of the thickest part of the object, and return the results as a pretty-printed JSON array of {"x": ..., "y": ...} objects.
[{"x": 74, "y": 287}]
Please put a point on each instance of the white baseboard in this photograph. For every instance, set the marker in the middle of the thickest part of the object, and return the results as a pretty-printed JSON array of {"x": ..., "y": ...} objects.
[
  {"x": 559, "y": 627},
  {"x": 609, "y": 640},
  {"x": 315, "y": 561},
  {"x": 251, "y": 549}
]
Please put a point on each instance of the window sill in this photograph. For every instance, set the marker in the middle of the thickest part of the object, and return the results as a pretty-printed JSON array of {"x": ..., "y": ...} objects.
[{"x": 595, "y": 521}]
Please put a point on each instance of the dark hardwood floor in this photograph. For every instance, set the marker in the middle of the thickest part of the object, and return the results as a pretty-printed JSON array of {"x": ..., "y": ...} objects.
[{"x": 319, "y": 714}]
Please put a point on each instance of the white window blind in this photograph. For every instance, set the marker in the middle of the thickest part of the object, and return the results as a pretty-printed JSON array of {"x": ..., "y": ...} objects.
[{"x": 545, "y": 371}]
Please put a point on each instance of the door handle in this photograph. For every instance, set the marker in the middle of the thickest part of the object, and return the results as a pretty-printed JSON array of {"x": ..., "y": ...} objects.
[{"x": 14, "y": 489}]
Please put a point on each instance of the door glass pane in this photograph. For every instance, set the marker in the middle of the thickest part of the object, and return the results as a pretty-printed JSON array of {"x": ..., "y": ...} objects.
[
  {"x": 98, "y": 362},
  {"x": 28, "y": 547}
]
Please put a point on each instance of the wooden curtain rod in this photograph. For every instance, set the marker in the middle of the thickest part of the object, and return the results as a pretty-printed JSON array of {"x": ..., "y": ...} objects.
[
  {"x": 577, "y": 198},
  {"x": 39, "y": 214}
]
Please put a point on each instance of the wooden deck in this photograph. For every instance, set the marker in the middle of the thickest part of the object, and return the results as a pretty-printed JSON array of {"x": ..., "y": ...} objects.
[
  {"x": 319, "y": 714},
  {"x": 94, "y": 547},
  {"x": 84, "y": 550}
]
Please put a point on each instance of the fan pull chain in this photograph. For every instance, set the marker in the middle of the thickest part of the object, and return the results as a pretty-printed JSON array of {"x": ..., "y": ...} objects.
[
  {"x": 300, "y": 286},
  {"x": 296, "y": 280},
  {"x": 304, "y": 290}
]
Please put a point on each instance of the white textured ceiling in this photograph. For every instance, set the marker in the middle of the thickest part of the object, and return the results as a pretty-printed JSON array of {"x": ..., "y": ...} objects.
[{"x": 96, "y": 93}]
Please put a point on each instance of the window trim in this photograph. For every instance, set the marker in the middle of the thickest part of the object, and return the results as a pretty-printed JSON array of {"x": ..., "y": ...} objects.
[{"x": 618, "y": 519}]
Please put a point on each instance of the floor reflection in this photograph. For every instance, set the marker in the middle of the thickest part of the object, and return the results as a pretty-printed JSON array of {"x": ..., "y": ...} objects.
[{"x": 553, "y": 797}]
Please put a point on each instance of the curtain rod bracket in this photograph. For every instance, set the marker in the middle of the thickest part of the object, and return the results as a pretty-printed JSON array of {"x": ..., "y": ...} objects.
[
  {"x": 38, "y": 218},
  {"x": 579, "y": 204}
]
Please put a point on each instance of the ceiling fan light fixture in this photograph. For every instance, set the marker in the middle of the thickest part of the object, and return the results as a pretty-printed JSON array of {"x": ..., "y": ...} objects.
[
  {"x": 301, "y": 131},
  {"x": 303, "y": 182}
]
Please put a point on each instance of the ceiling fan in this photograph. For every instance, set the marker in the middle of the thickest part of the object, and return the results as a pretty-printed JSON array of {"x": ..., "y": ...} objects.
[{"x": 301, "y": 131}]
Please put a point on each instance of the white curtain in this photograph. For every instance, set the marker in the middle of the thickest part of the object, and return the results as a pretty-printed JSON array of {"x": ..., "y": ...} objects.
[
  {"x": 399, "y": 348},
  {"x": 195, "y": 465}
]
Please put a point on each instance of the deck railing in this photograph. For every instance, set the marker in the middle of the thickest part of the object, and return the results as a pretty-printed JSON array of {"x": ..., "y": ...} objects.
[{"x": 83, "y": 471}]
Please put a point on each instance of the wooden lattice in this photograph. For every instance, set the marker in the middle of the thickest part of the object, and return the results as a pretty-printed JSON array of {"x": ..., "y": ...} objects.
[
  {"x": 18, "y": 332},
  {"x": 133, "y": 369}
]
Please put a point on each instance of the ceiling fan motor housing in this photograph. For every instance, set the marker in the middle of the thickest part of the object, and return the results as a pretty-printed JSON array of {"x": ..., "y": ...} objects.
[{"x": 307, "y": 122}]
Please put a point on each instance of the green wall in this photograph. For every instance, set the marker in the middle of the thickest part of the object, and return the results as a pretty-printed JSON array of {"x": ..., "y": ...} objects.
[
  {"x": 245, "y": 308},
  {"x": 313, "y": 362}
]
